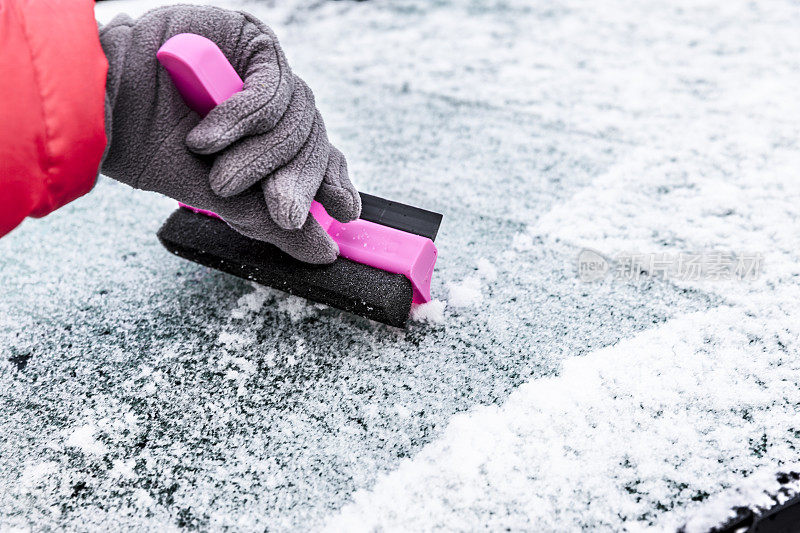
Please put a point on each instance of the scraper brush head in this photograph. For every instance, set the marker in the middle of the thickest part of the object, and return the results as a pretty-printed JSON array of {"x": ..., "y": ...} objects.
[{"x": 344, "y": 284}]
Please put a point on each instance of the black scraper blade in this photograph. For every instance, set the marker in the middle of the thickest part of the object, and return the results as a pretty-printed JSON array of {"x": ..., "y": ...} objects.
[{"x": 344, "y": 284}]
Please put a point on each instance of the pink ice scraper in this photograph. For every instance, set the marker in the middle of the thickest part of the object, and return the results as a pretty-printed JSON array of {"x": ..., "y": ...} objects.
[{"x": 386, "y": 257}]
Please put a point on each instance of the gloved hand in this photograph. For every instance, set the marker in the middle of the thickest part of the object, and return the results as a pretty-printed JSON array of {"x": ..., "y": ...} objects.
[{"x": 257, "y": 160}]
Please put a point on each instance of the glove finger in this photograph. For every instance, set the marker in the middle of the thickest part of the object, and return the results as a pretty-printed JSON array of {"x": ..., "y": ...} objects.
[
  {"x": 268, "y": 87},
  {"x": 290, "y": 190},
  {"x": 251, "y": 159},
  {"x": 248, "y": 215},
  {"x": 336, "y": 193}
]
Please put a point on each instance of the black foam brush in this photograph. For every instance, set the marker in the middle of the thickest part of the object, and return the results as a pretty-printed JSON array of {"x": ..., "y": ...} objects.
[{"x": 361, "y": 289}]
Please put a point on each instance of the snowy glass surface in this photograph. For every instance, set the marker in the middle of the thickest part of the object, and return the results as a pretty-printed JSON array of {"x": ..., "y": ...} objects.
[{"x": 140, "y": 390}]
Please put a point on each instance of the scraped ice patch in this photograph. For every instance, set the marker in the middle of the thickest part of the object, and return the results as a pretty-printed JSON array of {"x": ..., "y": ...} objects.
[
  {"x": 467, "y": 293},
  {"x": 83, "y": 439},
  {"x": 431, "y": 312}
]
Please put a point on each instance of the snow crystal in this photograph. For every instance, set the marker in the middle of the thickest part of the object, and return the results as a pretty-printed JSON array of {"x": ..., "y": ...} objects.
[
  {"x": 122, "y": 468},
  {"x": 486, "y": 270},
  {"x": 232, "y": 375},
  {"x": 402, "y": 411},
  {"x": 235, "y": 341},
  {"x": 245, "y": 365},
  {"x": 522, "y": 242},
  {"x": 299, "y": 351},
  {"x": 83, "y": 439},
  {"x": 466, "y": 293},
  {"x": 142, "y": 498},
  {"x": 296, "y": 308},
  {"x": 36, "y": 473},
  {"x": 432, "y": 312},
  {"x": 251, "y": 302}
]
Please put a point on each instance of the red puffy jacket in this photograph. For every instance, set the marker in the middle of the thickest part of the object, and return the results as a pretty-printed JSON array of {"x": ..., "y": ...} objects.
[{"x": 52, "y": 94}]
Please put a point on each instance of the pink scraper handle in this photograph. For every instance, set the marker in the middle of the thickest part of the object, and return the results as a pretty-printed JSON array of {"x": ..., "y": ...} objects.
[{"x": 205, "y": 78}]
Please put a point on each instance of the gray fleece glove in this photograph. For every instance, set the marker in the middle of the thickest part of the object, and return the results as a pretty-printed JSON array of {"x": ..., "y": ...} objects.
[{"x": 258, "y": 159}]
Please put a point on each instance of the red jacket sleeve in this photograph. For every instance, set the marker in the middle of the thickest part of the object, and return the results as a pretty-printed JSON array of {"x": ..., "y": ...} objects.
[{"x": 52, "y": 94}]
